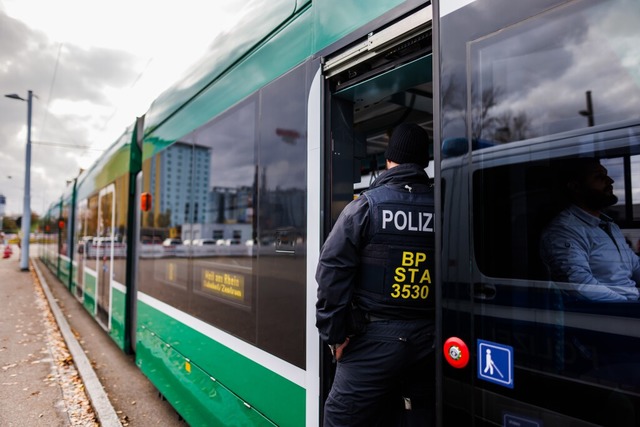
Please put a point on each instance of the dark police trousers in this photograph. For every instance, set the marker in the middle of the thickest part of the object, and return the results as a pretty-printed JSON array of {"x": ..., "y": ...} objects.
[{"x": 386, "y": 377}]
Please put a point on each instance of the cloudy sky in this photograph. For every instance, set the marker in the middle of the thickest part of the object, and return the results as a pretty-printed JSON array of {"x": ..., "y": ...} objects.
[{"x": 93, "y": 67}]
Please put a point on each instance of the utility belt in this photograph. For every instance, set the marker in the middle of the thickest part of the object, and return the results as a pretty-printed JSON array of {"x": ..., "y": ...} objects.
[
  {"x": 358, "y": 320},
  {"x": 376, "y": 318},
  {"x": 369, "y": 318}
]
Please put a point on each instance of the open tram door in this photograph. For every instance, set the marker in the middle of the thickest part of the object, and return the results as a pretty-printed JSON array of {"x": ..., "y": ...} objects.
[{"x": 369, "y": 87}]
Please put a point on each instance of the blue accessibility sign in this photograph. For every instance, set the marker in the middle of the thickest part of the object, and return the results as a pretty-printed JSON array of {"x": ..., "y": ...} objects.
[{"x": 495, "y": 363}]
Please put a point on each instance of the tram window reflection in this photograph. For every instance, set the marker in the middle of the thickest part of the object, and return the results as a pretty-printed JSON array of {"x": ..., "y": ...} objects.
[
  {"x": 514, "y": 203},
  {"x": 517, "y": 72},
  {"x": 584, "y": 247},
  {"x": 593, "y": 338}
]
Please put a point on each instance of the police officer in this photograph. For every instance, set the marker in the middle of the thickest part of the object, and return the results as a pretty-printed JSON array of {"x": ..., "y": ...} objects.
[{"x": 375, "y": 305}]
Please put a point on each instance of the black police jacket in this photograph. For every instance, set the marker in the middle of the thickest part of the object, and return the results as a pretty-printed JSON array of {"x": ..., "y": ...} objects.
[{"x": 379, "y": 254}]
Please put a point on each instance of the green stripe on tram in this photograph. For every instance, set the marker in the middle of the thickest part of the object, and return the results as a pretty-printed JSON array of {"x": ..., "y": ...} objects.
[
  {"x": 215, "y": 385},
  {"x": 118, "y": 302},
  {"x": 90, "y": 293}
]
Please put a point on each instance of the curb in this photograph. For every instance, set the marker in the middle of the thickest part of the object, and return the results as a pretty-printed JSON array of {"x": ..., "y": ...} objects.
[{"x": 104, "y": 410}]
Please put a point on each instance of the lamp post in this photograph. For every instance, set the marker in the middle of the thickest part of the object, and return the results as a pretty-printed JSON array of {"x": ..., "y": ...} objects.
[
  {"x": 26, "y": 210},
  {"x": 588, "y": 113}
]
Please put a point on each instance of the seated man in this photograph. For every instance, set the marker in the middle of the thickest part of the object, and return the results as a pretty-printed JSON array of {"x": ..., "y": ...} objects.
[{"x": 583, "y": 247}]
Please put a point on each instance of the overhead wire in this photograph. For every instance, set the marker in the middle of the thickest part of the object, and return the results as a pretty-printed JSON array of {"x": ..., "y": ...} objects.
[
  {"x": 46, "y": 110},
  {"x": 50, "y": 97},
  {"x": 51, "y": 85},
  {"x": 135, "y": 82},
  {"x": 79, "y": 147}
]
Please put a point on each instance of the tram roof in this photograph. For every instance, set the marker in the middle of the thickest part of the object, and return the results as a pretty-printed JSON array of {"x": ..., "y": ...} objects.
[{"x": 226, "y": 49}]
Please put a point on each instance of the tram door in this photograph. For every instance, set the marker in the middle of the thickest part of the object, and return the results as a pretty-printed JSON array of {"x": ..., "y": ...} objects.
[
  {"x": 537, "y": 329},
  {"x": 82, "y": 248},
  {"x": 105, "y": 253},
  {"x": 369, "y": 94}
]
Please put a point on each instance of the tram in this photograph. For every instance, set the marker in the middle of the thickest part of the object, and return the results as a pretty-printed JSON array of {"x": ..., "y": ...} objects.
[{"x": 193, "y": 241}]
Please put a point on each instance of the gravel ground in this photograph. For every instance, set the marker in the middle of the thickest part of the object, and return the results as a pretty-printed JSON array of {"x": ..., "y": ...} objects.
[
  {"x": 40, "y": 382},
  {"x": 75, "y": 402},
  {"x": 134, "y": 399}
]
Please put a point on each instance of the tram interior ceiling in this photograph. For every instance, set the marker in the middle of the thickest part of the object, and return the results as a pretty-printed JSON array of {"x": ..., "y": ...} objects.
[{"x": 375, "y": 94}]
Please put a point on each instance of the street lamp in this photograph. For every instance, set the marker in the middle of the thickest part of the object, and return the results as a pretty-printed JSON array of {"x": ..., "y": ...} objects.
[
  {"x": 588, "y": 113},
  {"x": 26, "y": 210}
]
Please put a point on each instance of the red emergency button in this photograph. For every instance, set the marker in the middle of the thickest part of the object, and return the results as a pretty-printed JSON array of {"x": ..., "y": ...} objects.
[{"x": 456, "y": 352}]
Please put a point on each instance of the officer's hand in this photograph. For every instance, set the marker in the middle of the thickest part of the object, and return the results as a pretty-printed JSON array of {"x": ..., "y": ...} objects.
[{"x": 340, "y": 348}]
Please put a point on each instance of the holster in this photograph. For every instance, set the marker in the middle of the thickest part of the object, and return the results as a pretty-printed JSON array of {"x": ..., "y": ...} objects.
[{"x": 356, "y": 321}]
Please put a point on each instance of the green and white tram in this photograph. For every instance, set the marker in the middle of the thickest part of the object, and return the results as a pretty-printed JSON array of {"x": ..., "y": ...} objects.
[{"x": 194, "y": 240}]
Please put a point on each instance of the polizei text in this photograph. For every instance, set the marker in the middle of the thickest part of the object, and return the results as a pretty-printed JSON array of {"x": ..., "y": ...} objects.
[{"x": 407, "y": 221}]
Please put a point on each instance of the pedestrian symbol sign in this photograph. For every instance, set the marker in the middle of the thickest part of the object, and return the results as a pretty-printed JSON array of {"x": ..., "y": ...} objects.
[{"x": 495, "y": 363}]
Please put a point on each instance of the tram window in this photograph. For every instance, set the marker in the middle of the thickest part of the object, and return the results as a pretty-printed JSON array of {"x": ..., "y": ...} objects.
[
  {"x": 64, "y": 232},
  {"x": 162, "y": 269},
  {"x": 92, "y": 220},
  {"x": 281, "y": 236},
  {"x": 223, "y": 275},
  {"x": 635, "y": 177},
  {"x": 513, "y": 203},
  {"x": 243, "y": 160},
  {"x": 516, "y": 73}
]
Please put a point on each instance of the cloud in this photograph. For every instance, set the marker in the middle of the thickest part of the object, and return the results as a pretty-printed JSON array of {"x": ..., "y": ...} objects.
[
  {"x": 84, "y": 74},
  {"x": 94, "y": 68},
  {"x": 74, "y": 88}
]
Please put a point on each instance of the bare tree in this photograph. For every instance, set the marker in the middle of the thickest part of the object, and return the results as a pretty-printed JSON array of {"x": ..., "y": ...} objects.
[
  {"x": 510, "y": 127},
  {"x": 506, "y": 127},
  {"x": 481, "y": 119}
]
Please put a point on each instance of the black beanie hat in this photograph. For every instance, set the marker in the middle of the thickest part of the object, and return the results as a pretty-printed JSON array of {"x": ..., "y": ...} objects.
[{"x": 409, "y": 143}]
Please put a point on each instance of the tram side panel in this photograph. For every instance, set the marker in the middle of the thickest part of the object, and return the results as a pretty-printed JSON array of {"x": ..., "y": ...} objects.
[
  {"x": 222, "y": 309},
  {"x": 56, "y": 234},
  {"x": 100, "y": 239},
  {"x": 222, "y": 288},
  {"x": 64, "y": 269},
  {"x": 530, "y": 345},
  {"x": 559, "y": 346},
  {"x": 112, "y": 299},
  {"x": 50, "y": 252}
]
